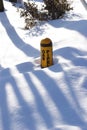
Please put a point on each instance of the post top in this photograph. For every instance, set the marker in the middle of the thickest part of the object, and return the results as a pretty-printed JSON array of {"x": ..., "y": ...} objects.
[{"x": 46, "y": 41}]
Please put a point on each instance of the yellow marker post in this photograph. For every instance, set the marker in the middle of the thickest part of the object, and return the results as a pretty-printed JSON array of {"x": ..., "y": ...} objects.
[{"x": 46, "y": 53}]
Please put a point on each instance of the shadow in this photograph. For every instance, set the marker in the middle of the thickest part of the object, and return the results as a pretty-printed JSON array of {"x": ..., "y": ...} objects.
[
  {"x": 74, "y": 55},
  {"x": 1, "y": 68},
  {"x": 69, "y": 52},
  {"x": 5, "y": 73},
  {"x": 43, "y": 111},
  {"x": 38, "y": 30},
  {"x": 77, "y": 58},
  {"x": 79, "y": 26},
  {"x": 80, "y": 62},
  {"x": 84, "y": 3},
  {"x": 73, "y": 91},
  {"x": 16, "y": 40},
  {"x": 22, "y": 68},
  {"x": 68, "y": 113},
  {"x": 4, "y": 111},
  {"x": 56, "y": 67},
  {"x": 24, "y": 113},
  {"x": 84, "y": 85},
  {"x": 25, "y": 67}
]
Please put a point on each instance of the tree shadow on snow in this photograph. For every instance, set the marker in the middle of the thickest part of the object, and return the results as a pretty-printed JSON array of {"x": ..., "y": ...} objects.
[
  {"x": 25, "y": 113},
  {"x": 4, "y": 110},
  {"x": 38, "y": 30},
  {"x": 79, "y": 26},
  {"x": 67, "y": 112},
  {"x": 22, "y": 68},
  {"x": 41, "y": 107},
  {"x": 16, "y": 40},
  {"x": 74, "y": 55},
  {"x": 22, "y": 114}
]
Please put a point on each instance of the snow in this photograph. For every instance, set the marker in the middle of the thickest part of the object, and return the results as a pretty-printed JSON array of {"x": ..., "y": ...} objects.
[{"x": 52, "y": 98}]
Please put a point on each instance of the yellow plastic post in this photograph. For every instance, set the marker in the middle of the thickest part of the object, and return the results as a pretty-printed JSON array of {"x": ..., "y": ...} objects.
[
  {"x": 1, "y": 6},
  {"x": 46, "y": 53}
]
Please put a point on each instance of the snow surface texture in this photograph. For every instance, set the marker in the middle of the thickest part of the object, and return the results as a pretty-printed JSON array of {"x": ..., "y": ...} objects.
[{"x": 53, "y": 98}]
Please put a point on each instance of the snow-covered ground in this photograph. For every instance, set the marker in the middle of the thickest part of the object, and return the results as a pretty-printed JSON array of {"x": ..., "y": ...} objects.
[{"x": 53, "y": 98}]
